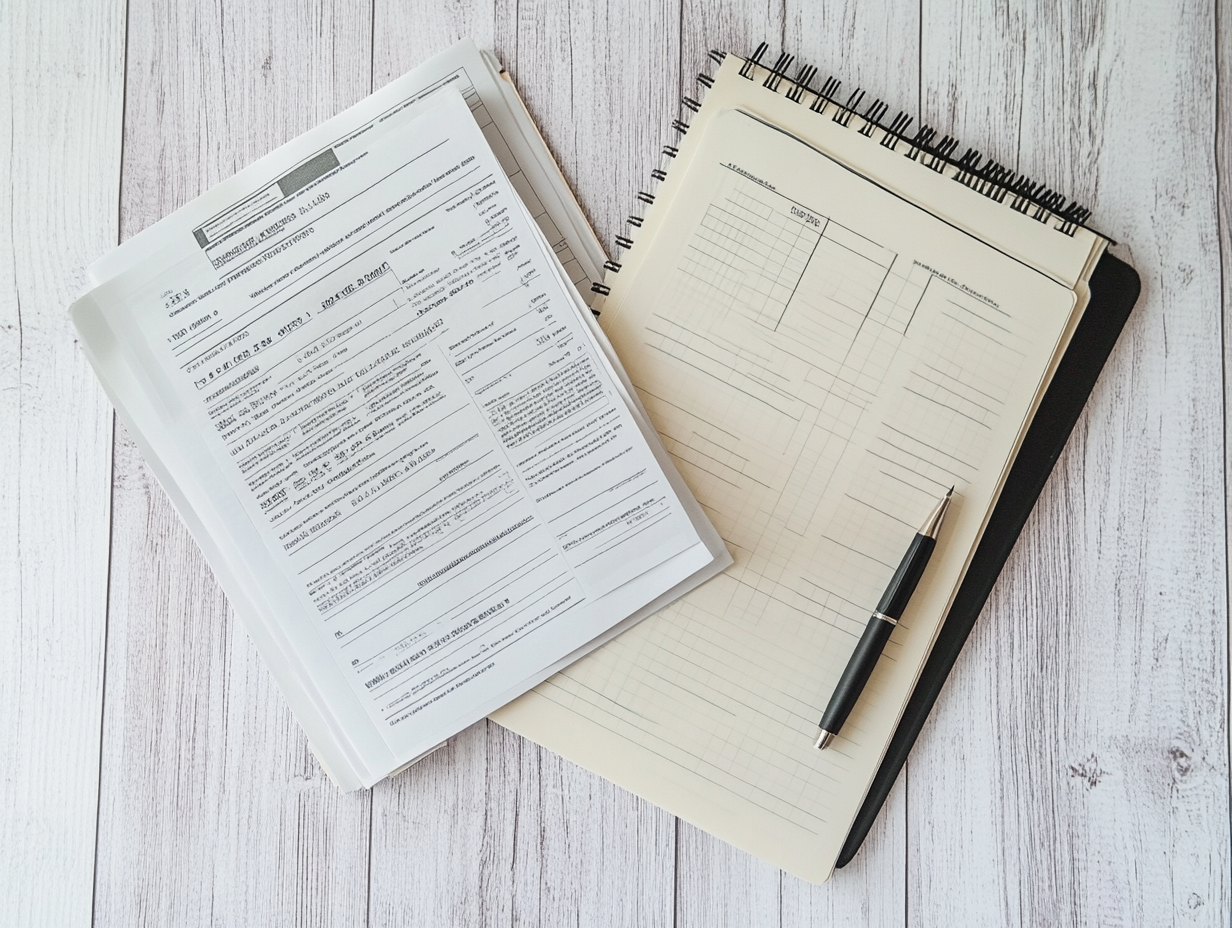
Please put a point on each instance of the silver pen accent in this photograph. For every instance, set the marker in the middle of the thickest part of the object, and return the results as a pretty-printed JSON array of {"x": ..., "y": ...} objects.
[{"x": 932, "y": 525}]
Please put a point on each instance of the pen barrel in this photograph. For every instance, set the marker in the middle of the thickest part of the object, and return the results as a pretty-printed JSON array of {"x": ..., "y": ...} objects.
[
  {"x": 907, "y": 577},
  {"x": 859, "y": 669}
]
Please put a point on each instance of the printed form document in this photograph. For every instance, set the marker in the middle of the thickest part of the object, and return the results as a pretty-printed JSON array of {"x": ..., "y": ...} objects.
[{"x": 367, "y": 383}]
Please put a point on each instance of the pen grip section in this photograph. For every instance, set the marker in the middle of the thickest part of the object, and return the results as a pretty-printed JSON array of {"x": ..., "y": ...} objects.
[
  {"x": 859, "y": 669},
  {"x": 907, "y": 577}
]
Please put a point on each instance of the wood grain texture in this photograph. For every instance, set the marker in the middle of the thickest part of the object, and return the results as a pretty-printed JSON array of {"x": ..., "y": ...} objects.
[
  {"x": 501, "y": 830},
  {"x": 600, "y": 81},
  {"x": 212, "y": 809},
  {"x": 876, "y": 48},
  {"x": 440, "y": 854},
  {"x": 1223, "y": 184},
  {"x": 1076, "y": 767},
  {"x": 719, "y": 885},
  {"x": 442, "y": 845},
  {"x": 1075, "y": 770},
  {"x": 61, "y": 94},
  {"x": 402, "y": 37},
  {"x": 593, "y": 853}
]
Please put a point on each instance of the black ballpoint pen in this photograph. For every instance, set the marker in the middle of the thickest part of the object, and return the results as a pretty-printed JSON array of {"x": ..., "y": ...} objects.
[{"x": 877, "y": 632}]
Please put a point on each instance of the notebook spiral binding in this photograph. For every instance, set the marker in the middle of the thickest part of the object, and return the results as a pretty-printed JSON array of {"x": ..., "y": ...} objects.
[{"x": 986, "y": 177}]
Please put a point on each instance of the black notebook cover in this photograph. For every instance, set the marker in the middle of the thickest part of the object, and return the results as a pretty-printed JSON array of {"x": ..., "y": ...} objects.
[{"x": 1114, "y": 290}]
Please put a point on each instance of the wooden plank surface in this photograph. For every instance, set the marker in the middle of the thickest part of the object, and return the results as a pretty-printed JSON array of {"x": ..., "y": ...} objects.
[
  {"x": 594, "y": 854},
  {"x": 1223, "y": 184},
  {"x": 875, "y": 47},
  {"x": 504, "y": 831},
  {"x": 212, "y": 809},
  {"x": 57, "y": 211},
  {"x": 1076, "y": 768},
  {"x": 718, "y": 884}
]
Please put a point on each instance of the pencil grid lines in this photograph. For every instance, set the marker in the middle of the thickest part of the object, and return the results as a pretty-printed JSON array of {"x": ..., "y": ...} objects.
[
  {"x": 734, "y": 288},
  {"x": 948, "y": 409},
  {"x": 781, "y": 340}
]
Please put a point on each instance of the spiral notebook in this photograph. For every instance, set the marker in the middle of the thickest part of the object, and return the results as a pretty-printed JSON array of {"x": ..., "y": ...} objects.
[{"x": 830, "y": 319}]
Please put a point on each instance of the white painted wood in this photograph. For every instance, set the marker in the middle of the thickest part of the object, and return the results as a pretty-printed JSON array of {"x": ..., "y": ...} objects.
[
  {"x": 404, "y": 37},
  {"x": 443, "y": 836},
  {"x": 1076, "y": 768},
  {"x": 600, "y": 80},
  {"x": 1223, "y": 165},
  {"x": 212, "y": 810},
  {"x": 874, "y": 47},
  {"x": 61, "y": 106},
  {"x": 494, "y": 829},
  {"x": 600, "y": 855},
  {"x": 871, "y": 890},
  {"x": 717, "y": 884}
]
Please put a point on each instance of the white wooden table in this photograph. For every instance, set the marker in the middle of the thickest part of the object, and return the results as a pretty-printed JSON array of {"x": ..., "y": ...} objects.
[{"x": 1075, "y": 770}]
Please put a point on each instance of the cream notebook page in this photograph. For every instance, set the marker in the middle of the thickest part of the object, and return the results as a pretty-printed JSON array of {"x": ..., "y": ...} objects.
[{"x": 823, "y": 358}]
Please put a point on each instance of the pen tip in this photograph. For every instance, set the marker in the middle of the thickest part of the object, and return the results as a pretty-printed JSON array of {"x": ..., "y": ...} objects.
[
  {"x": 950, "y": 492},
  {"x": 824, "y": 739},
  {"x": 932, "y": 524}
]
